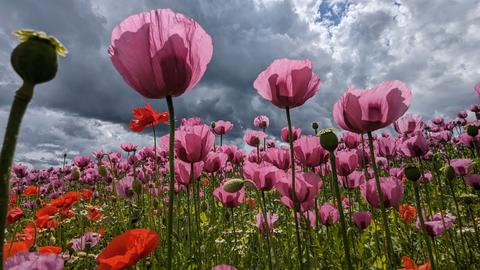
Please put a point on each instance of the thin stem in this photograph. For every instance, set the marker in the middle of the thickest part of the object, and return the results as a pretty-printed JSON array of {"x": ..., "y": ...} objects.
[
  {"x": 422, "y": 224},
  {"x": 343, "y": 227},
  {"x": 294, "y": 194},
  {"x": 390, "y": 254},
  {"x": 171, "y": 194}
]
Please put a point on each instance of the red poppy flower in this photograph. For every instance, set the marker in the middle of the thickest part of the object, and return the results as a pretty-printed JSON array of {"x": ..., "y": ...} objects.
[
  {"x": 14, "y": 214},
  {"x": 126, "y": 249},
  {"x": 46, "y": 211},
  {"x": 31, "y": 191},
  {"x": 94, "y": 213},
  {"x": 12, "y": 248},
  {"x": 407, "y": 212},
  {"x": 44, "y": 222},
  {"x": 146, "y": 117},
  {"x": 49, "y": 250},
  {"x": 410, "y": 265},
  {"x": 12, "y": 200}
]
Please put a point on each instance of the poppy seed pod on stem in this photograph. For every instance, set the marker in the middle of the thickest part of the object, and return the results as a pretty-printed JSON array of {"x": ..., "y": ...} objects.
[
  {"x": 472, "y": 130},
  {"x": 328, "y": 139},
  {"x": 35, "y": 60},
  {"x": 412, "y": 173}
]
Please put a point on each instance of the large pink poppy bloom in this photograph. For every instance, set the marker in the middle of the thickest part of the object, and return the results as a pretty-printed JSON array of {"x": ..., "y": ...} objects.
[
  {"x": 362, "y": 111},
  {"x": 160, "y": 53},
  {"x": 287, "y": 83}
]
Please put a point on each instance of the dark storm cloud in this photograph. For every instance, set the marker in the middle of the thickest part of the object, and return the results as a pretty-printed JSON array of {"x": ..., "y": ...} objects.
[{"x": 369, "y": 42}]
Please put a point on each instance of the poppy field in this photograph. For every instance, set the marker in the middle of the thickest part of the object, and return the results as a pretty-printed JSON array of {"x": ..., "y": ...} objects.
[{"x": 384, "y": 189}]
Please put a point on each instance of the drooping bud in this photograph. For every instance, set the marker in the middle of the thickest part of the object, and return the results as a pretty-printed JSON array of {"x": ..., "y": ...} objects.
[
  {"x": 75, "y": 173},
  {"x": 102, "y": 170},
  {"x": 212, "y": 124},
  {"x": 315, "y": 125},
  {"x": 412, "y": 173},
  {"x": 328, "y": 139},
  {"x": 233, "y": 185},
  {"x": 449, "y": 173},
  {"x": 137, "y": 186}
]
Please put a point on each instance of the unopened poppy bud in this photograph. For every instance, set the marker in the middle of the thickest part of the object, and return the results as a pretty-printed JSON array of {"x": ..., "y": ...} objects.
[
  {"x": 233, "y": 185},
  {"x": 212, "y": 124},
  {"x": 75, "y": 173},
  {"x": 449, "y": 173},
  {"x": 412, "y": 173},
  {"x": 137, "y": 186},
  {"x": 328, "y": 139},
  {"x": 35, "y": 58},
  {"x": 472, "y": 130},
  {"x": 52, "y": 239},
  {"x": 102, "y": 170},
  {"x": 468, "y": 198},
  {"x": 203, "y": 207},
  {"x": 82, "y": 254},
  {"x": 315, "y": 125},
  {"x": 437, "y": 163}
]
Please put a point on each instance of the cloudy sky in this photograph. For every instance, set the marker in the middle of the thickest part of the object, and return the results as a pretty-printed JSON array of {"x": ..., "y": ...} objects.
[{"x": 433, "y": 46}]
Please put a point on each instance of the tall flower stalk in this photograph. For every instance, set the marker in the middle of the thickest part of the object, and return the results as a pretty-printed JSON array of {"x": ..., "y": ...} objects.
[
  {"x": 35, "y": 60},
  {"x": 329, "y": 141},
  {"x": 390, "y": 254},
  {"x": 296, "y": 205}
]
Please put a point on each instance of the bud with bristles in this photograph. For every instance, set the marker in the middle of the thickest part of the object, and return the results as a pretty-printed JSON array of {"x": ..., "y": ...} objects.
[
  {"x": 102, "y": 170},
  {"x": 233, "y": 185},
  {"x": 449, "y": 173},
  {"x": 137, "y": 186},
  {"x": 315, "y": 125},
  {"x": 75, "y": 173}
]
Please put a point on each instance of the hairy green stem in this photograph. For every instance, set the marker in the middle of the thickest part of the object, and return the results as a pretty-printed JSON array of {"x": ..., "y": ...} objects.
[
  {"x": 390, "y": 254},
  {"x": 294, "y": 194},
  {"x": 171, "y": 194},
  {"x": 20, "y": 103}
]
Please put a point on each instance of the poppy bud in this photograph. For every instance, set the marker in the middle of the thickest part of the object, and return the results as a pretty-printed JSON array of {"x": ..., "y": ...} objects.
[
  {"x": 449, "y": 173},
  {"x": 102, "y": 170},
  {"x": 52, "y": 240},
  {"x": 75, "y": 173},
  {"x": 468, "y": 198},
  {"x": 315, "y": 125},
  {"x": 328, "y": 139},
  {"x": 412, "y": 173},
  {"x": 472, "y": 130},
  {"x": 203, "y": 207},
  {"x": 137, "y": 186},
  {"x": 233, "y": 185},
  {"x": 437, "y": 163},
  {"x": 212, "y": 124},
  {"x": 82, "y": 254}
]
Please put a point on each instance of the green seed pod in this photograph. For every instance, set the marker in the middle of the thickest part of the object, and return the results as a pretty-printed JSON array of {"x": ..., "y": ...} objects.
[
  {"x": 233, "y": 185},
  {"x": 35, "y": 60},
  {"x": 472, "y": 130},
  {"x": 75, "y": 173},
  {"x": 328, "y": 139},
  {"x": 315, "y": 125},
  {"x": 412, "y": 173}
]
